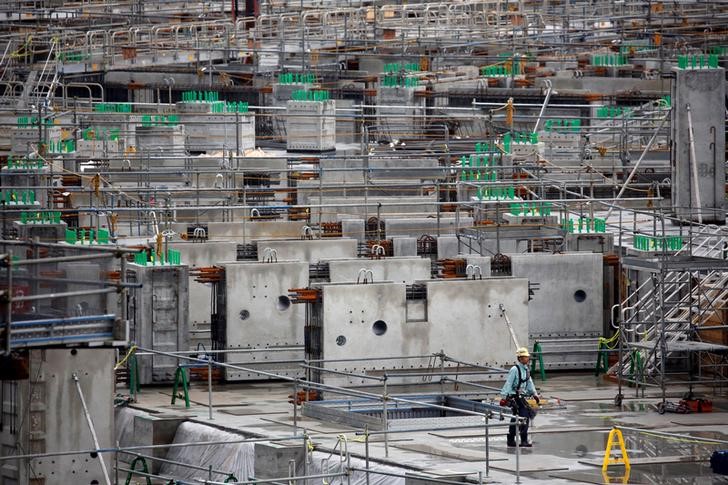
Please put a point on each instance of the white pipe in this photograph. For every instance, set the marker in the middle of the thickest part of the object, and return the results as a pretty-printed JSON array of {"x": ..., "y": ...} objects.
[
  {"x": 508, "y": 324},
  {"x": 549, "y": 87},
  {"x": 636, "y": 166},
  {"x": 694, "y": 165},
  {"x": 91, "y": 428},
  {"x": 156, "y": 223}
]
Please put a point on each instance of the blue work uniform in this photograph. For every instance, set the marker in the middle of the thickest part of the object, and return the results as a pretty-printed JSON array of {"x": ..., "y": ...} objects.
[
  {"x": 518, "y": 382},
  {"x": 518, "y": 385}
]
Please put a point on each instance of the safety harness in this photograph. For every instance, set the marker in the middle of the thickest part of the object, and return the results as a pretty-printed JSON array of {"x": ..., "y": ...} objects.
[{"x": 521, "y": 381}]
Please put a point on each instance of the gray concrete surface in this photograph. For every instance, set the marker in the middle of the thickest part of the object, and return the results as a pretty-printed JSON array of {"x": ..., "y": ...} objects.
[{"x": 570, "y": 431}]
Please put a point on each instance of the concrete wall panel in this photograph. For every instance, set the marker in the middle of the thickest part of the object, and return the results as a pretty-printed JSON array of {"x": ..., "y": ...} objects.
[
  {"x": 309, "y": 250},
  {"x": 397, "y": 270},
  {"x": 259, "y": 314},
  {"x": 569, "y": 299}
]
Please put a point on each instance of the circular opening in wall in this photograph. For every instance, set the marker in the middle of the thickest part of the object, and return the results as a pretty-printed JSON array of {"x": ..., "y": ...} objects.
[
  {"x": 379, "y": 327},
  {"x": 340, "y": 340},
  {"x": 283, "y": 303},
  {"x": 580, "y": 295},
  {"x": 244, "y": 314}
]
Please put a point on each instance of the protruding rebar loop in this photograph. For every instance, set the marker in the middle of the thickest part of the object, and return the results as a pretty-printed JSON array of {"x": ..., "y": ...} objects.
[
  {"x": 365, "y": 276},
  {"x": 270, "y": 255}
]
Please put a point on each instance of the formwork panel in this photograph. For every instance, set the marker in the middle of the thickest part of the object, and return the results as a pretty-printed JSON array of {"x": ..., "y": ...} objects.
[{"x": 160, "y": 318}]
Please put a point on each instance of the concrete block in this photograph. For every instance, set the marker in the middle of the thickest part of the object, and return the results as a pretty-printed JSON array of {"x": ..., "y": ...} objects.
[
  {"x": 569, "y": 299},
  {"x": 404, "y": 205},
  {"x": 308, "y": 250},
  {"x": 160, "y": 139},
  {"x": 417, "y": 226},
  {"x": 513, "y": 219},
  {"x": 258, "y": 313},
  {"x": 272, "y": 459},
  {"x": 404, "y": 246},
  {"x": 594, "y": 243},
  {"x": 417, "y": 168},
  {"x": 353, "y": 228},
  {"x": 212, "y": 132},
  {"x": 482, "y": 262},
  {"x": 154, "y": 430},
  {"x": 400, "y": 270},
  {"x": 244, "y": 232},
  {"x": 44, "y": 232},
  {"x": 447, "y": 247},
  {"x": 376, "y": 321},
  {"x": 49, "y": 405},
  {"x": 704, "y": 91},
  {"x": 311, "y": 125},
  {"x": 450, "y": 247},
  {"x": 197, "y": 255}
]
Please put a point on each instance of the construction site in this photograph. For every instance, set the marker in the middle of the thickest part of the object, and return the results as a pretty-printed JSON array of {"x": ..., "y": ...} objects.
[{"x": 338, "y": 242}]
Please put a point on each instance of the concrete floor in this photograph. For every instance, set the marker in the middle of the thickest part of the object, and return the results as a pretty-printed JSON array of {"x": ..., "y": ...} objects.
[{"x": 569, "y": 432}]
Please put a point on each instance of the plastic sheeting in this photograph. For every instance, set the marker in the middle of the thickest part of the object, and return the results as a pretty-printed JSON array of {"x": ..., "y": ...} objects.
[
  {"x": 124, "y": 425},
  {"x": 235, "y": 458},
  {"x": 318, "y": 465},
  {"x": 239, "y": 458}
]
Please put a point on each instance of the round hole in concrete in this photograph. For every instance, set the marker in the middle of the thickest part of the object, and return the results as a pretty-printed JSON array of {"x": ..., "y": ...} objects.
[
  {"x": 283, "y": 303},
  {"x": 379, "y": 327},
  {"x": 340, "y": 340},
  {"x": 580, "y": 295},
  {"x": 244, "y": 314}
]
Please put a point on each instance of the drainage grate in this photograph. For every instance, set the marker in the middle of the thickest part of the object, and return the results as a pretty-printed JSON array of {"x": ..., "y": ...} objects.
[{"x": 359, "y": 413}]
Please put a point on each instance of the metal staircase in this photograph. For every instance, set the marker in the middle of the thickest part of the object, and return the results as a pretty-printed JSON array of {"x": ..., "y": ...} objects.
[
  {"x": 40, "y": 86},
  {"x": 684, "y": 300}
]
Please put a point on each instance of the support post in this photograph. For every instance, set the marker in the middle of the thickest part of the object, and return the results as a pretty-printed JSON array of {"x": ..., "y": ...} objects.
[
  {"x": 518, "y": 449},
  {"x": 366, "y": 451},
  {"x": 9, "y": 303},
  {"x": 209, "y": 387},
  {"x": 385, "y": 419},
  {"x": 295, "y": 407},
  {"x": 487, "y": 449}
]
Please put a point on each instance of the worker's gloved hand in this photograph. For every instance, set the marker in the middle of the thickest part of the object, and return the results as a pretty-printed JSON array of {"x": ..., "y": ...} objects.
[
  {"x": 504, "y": 402},
  {"x": 537, "y": 399}
]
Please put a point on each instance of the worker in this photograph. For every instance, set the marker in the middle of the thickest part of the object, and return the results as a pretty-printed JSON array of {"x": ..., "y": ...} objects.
[{"x": 517, "y": 388}]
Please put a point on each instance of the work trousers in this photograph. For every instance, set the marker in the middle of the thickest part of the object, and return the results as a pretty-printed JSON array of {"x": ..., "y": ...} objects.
[{"x": 520, "y": 408}]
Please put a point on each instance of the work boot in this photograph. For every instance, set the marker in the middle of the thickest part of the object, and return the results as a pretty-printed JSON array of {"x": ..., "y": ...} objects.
[
  {"x": 512, "y": 443},
  {"x": 526, "y": 444}
]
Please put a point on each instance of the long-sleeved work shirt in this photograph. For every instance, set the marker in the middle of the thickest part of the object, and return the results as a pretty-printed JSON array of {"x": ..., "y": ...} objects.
[{"x": 512, "y": 387}]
